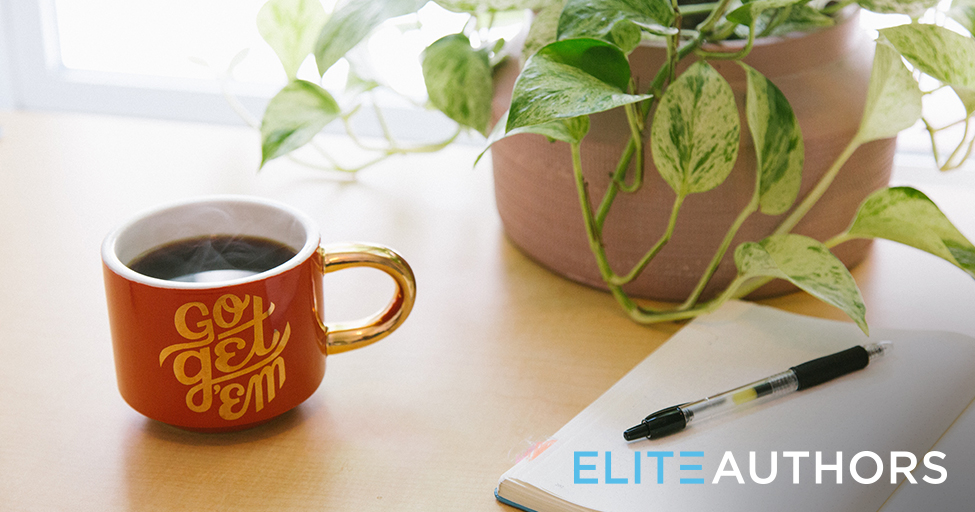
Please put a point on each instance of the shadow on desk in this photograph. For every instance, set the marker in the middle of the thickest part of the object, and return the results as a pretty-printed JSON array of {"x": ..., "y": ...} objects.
[
  {"x": 172, "y": 469},
  {"x": 276, "y": 426}
]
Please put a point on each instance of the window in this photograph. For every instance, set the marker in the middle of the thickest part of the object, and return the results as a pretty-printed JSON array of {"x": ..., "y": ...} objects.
[
  {"x": 127, "y": 57},
  {"x": 166, "y": 60},
  {"x": 169, "y": 60}
]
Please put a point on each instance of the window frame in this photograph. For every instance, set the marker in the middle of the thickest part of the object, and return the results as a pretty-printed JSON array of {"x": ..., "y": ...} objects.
[{"x": 32, "y": 76}]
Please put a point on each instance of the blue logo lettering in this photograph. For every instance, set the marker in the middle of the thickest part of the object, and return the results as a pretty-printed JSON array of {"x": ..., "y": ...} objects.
[{"x": 577, "y": 467}]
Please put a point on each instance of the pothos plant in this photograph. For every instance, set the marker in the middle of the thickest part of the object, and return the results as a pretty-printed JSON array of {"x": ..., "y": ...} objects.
[
  {"x": 457, "y": 75},
  {"x": 577, "y": 66}
]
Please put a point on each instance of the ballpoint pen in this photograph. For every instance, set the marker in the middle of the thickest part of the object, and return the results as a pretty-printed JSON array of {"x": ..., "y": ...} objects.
[{"x": 806, "y": 375}]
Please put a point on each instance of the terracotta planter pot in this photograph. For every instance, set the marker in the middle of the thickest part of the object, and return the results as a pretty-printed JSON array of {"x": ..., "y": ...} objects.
[{"x": 823, "y": 74}]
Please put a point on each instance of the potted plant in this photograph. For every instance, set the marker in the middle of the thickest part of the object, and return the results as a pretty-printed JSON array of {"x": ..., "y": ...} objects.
[
  {"x": 682, "y": 129},
  {"x": 823, "y": 72}
]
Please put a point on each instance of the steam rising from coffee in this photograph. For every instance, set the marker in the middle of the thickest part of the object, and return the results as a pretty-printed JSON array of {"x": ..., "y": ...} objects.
[
  {"x": 212, "y": 258},
  {"x": 212, "y": 241}
]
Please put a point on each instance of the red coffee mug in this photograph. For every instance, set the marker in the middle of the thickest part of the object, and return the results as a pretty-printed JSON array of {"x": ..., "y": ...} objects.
[{"x": 232, "y": 354}]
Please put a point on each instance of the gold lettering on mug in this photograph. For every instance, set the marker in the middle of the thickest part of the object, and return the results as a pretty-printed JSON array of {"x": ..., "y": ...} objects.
[{"x": 242, "y": 368}]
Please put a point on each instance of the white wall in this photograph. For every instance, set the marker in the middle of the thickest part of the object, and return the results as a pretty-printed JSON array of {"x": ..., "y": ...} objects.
[{"x": 6, "y": 78}]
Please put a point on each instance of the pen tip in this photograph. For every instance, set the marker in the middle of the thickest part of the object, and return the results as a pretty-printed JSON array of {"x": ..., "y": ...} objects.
[
  {"x": 875, "y": 350},
  {"x": 637, "y": 432}
]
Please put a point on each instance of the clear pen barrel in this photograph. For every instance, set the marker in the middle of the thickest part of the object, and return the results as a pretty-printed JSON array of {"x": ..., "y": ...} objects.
[{"x": 774, "y": 386}]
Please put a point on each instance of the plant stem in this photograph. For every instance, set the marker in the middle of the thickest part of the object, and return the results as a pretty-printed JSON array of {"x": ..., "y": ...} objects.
[
  {"x": 731, "y": 292},
  {"x": 952, "y": 166},
  {"x": 636, "y": 139},
  {"x": 393, "y": 148},
  {"x": 746, "y": 212},
  {"x": 237, "y": 106},
  {"x": 807, "y": 203},
  {"x": 642, "y": 264},
  {"x": 740, "y": 54},
  {"x": 696, "y": 8},
  {"x": 709, "y": 23},
  {"x": 426, "y": 148},
  {"x": 838, "y": 6},
  {"x": 655, "y": 89},
  {"x": 953, "y": 162},
  {"x": 934, "y": 143},
  {"x": 613, "y": 188},
  {"x": 817, "y": 192},
  {"x": 595, "y": 243},
  {"x": 342, "y": 173},
  {"x": 780, "y": 16},
  {"x": 582, "y": 188},
  {"x": 947, "y": 126},
  {"x": 838, "y": 239},
  {"x": 646, "y": 316},
  {"x": 594, "y": 222}
]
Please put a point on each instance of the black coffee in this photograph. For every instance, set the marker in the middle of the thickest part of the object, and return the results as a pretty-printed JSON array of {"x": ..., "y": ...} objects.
[{"x": 212, "y": 258}]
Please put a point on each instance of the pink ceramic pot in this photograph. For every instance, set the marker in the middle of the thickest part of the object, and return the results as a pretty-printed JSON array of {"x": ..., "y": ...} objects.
[{"x": 823, "y": 74}]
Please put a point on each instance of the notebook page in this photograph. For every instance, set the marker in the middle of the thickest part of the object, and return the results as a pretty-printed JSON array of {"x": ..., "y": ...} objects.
[{"x": 902, "y": 402}]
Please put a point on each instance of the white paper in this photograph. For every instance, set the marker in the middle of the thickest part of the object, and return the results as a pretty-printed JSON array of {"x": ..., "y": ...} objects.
[{"x": 902, "y": 402}]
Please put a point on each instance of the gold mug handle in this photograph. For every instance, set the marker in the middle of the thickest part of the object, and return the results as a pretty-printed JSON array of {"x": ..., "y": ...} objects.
[{"x": 345, "y": 336}]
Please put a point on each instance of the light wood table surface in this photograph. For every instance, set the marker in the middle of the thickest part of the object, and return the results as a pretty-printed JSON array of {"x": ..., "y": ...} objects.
[{"x": 498, "y": 353}]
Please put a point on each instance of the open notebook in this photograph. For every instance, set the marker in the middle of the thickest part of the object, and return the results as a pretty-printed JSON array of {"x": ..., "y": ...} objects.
[{"x": 916, "y": 399}]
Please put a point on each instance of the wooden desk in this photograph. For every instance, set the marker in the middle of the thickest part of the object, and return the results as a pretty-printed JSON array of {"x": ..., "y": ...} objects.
[{"x": 498, "y": 353}]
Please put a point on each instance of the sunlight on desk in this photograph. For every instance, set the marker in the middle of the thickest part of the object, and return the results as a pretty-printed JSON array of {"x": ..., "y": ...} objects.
[{"x": 498, "y": 353}]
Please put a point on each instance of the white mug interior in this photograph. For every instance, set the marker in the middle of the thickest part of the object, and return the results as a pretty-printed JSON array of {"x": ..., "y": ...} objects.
[{"x": 214, "y": 215}]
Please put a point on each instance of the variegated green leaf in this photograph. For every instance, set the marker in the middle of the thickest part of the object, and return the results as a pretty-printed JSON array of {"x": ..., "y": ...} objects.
[
  {"x": 750, "y": 11},
  {"x": 802, "y": 18},
  {"x": 912, "y": 8},
  {"x": 458, "y": 80},
  {"x": 893, "y": 97},
  {"x": 616, "y": 21},
  {"x": 967, "y": 97},
  {"x": 544, "y": 28},
  {"x": 352, "y": 22},
  {"x": 356, "y": 83},
  {"x": 779, "y": 150},
  {"x": 945, "y": 55},
  {"x": 570, "y": 78},
  {"x": 807, "y": 264},
  {"x": 963, "y": 11},
  {"x": 906, "y": 215},
  {"x": 481, "y": 6},
  {"x": 291, "y": 28},
  {"x": 570, "y": 130},
  {"x": 566, "y": 130},
  {"x": 695, "y": 131},
  {"x": 293, "y": 116},
  {"x": 783, "y": 21}
]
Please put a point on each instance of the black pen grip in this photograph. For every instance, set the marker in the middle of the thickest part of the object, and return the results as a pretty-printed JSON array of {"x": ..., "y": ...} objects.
[{"x": 829, "y": 367}]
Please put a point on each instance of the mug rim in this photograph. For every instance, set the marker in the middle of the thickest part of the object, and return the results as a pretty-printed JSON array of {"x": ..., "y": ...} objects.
[{"x": 112, "y": 261}]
